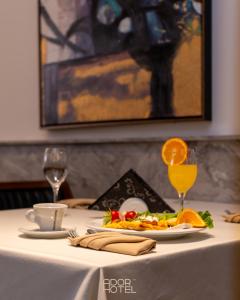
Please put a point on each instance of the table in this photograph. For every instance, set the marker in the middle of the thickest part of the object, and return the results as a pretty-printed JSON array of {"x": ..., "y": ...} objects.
[{"x": 205, "y": 265}]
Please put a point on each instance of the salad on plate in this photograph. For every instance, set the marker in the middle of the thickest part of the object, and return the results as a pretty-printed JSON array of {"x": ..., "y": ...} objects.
[{"x": 141, "y": 221}]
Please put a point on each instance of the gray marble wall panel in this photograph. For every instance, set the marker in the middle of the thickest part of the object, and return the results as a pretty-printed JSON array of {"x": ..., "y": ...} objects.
[{"x": 93, "y": 168}]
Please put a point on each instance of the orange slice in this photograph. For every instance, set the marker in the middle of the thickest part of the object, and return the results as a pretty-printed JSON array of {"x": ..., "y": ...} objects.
[
  {"x": 174, "y": 151},
  {"x": 188, "y": 215}
]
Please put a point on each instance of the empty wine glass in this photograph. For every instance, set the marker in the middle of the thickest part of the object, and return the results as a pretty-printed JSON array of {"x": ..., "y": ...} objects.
[{"x": 55, "y": 168}]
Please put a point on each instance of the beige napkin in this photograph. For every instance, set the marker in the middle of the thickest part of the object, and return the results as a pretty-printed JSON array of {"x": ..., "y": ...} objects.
[
  {"x": 233, "y": 218},
  {"x": 73, "y": 203},
  {"x": 115, "y": 242}
]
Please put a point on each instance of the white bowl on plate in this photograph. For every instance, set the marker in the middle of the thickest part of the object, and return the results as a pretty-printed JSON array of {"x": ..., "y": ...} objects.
[{"x": 135, "y": 204}]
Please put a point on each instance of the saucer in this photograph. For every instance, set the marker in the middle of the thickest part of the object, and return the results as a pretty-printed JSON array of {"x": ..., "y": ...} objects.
[{"x": 38, "y": 234}]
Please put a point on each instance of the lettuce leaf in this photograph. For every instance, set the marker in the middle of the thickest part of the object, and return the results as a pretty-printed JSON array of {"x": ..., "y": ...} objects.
[
  {"x": 207, "y": 218},
  {"x": 107, "y": 218}
]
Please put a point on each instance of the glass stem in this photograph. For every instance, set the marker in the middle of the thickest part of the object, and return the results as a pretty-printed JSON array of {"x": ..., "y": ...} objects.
[
  {"x": 55, "y": 193},
  {"x": 181, "y": 197}
]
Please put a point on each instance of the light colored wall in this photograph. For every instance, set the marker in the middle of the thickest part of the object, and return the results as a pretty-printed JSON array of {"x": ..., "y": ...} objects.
[{"x": 19, "y": 89}]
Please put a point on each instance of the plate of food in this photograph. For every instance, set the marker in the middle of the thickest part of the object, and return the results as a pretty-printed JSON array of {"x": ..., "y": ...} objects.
[{"x": 154, "y": 225}]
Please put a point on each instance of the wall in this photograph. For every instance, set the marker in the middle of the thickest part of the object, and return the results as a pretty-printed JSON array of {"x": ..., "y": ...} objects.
[
  {"x": 93, "y": 168},
  {"x": 19, "y": 90}
]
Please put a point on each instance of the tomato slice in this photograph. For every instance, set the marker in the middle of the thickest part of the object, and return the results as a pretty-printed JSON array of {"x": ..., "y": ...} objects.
[
  {"x": 130, "y": 215},
  {"x": 115, "y": 215}
]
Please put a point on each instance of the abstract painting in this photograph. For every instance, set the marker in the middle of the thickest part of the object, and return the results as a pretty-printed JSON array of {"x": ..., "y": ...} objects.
[{"x": 107, "y": 61}]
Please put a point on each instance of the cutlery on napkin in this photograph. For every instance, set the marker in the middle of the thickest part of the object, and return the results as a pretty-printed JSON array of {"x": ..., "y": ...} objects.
[
  {"x": 73, "y": 203},
  {"x": 232, "y": 217},
  {"x": 115, "y": 242}
]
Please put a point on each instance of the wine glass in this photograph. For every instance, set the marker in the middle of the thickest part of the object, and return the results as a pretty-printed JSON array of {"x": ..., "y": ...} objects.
[
  {"x": 55, "y": 168},
  {"x": 183, "y": 176}
]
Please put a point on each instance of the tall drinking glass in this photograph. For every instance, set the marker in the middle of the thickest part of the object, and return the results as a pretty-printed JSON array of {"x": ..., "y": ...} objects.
[
  {"x": 182, "y": 177},
  {"x": 55, "y": 168}
]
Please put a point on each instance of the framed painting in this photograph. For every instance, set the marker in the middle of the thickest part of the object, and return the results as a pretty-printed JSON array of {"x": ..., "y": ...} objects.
[{"x": 104, "y": 61}]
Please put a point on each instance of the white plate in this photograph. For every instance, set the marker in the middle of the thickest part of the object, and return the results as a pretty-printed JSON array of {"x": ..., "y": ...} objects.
[
  {"x": 135, "y": 204},
  {"x": 38, "y": 234},
  {"x": 171, "y": 233}
]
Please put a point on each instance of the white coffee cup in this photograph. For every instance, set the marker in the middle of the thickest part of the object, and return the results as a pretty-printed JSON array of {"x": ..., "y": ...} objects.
[{"x": 48, "y": 216}]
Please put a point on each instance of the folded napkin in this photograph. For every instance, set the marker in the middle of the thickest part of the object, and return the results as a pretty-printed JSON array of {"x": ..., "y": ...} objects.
[
  {"x": 73, "y": 203},
  {"x": 233, "y": 218},
  {"x": 115, "y": 242}
]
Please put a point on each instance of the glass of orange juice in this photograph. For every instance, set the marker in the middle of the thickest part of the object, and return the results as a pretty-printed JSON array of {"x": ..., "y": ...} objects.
[{"x": 183, "y": 176}]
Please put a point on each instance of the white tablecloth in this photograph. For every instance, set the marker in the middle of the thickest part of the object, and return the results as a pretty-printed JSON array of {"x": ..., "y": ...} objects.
[{"x": 202, "y": 266}]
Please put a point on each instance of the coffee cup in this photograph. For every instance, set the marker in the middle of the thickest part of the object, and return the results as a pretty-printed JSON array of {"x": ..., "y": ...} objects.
[{"x": 48, "y": 216}]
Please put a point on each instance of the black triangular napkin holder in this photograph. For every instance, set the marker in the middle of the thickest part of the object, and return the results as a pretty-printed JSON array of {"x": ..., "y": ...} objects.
[{"x": 130, "y": 185}]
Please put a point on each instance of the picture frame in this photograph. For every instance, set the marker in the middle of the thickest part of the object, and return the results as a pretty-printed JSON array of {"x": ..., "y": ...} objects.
[{"x": 100, "y": 64}]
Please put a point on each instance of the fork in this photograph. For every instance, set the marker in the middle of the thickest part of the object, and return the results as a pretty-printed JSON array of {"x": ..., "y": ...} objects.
[
  {"x": 72, "y": 233},
  {"x": 228, "y": 212}
]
